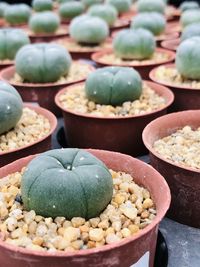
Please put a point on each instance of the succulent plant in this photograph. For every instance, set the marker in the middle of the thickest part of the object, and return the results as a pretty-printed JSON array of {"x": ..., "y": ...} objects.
[
  {"x": 151, "y": 6},
  {"x": 11, "y": 107},
  {"x": 68, "y": 183},
  {"x": 186, "y": 5},
  {"x": 152, "y": 21},
  {"x": 42, "y": 63},
  {"x": 188, "y": 58},
  {"x": 107, "y": 12},
  {"x": 135, "y": 44},
  {"x": 122, "y": 6},
  {"x": 44, "y": 22},
  {"x": 42, "y": 5},
  {"x": 11, "y": 40},
  {"x": 190, "y": 16},
  {"x": 71, "y": 9},
  {"x": 17, "y": 14},
  {"x": 88, "y": 29},
  {"x": 113, "y": 85},
  {"x": 3, "y": 6},
  {"x": 88, "y": 3},
  {"x": 190, "y": 31}
]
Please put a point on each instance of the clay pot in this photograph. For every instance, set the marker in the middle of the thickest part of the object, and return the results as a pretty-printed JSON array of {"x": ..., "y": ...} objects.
[
  {"x": 39, "y": 146},
  {"x": 124, "y": 253},
  {"x": 186, "y": 98},
  {"x": 143, "y": 69},
  {"x": 121, "y": 23},
  {"x": 171, "y": 44},
  {"x": 43, "y": 93},
  {"x": 121, "y": 134},
  {"x": 174, "y": 26},
  {"x": 6, "y": 65},
  {"x": 184, "y": 182}
]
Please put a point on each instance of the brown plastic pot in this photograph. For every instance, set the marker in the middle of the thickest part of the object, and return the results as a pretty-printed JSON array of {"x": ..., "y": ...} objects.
[
  {"x": 124, "y": 253},
  {"x": 171, "y": 44},
  {"x": 121, "y": 134},
  {"x": 39, "y": 146},
  {"x": 143, "y": 69},
  {"x": 43, "y": 93},
  {"x": 186, "y": 98},
  {"x": 184, "y": 182}
]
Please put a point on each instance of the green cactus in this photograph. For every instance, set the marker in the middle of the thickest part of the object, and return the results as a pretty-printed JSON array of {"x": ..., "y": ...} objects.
[
  {"x": 11, "y": 107},
  {"x": 188, "y": 58},
  {"x": 68, "y": 183},
  {"x": 134, "y": 44},
  {"x": 71, "y": 9},
  {"x": 88, "y": 3},
  {"x": 42, "y": 5},
  {"x": 11, "y": 40},
  {"x": 3, "y": 6},
  {"x": 88, "y": 29},
  {"x": 122, "y": 6},
  {"x": 42, "y": 63},
  {"x": 152, "y": 21},
  {"x": 113, "y": 85},
  {"x": 44, "y": 22},
  {"x": 17, "y": 14},
  {"x": 151, "y": 6},
  {"x": 190, "y": 16},
  {"x": 186, "y": 5},
  {"x": 107, "y": 12},
  {"x": 190, "y": 31}
]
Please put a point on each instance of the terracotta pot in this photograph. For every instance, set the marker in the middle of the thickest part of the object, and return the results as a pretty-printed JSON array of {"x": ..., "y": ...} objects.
[
  {"x": 184, "y": 182},
  {"x": 2, "y": 22},
  {"x": 122, "y": 134},
  {"x": 171, "y": 44},
  {"x": 6, "y": 65},
  {"x": 43, "y": 93},
  {"x": 39, "y": 146},
  {"x": 143, "y": 69},
  {"x": 121, "y": 23},
  {"x": 185, "y": 97},
  {"x": 174, "y": 26},
  {"x": 124, "y": 253}
]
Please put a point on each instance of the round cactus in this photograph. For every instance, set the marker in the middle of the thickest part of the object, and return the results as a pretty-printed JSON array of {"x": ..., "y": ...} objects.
[
  {"x": 42, "y": 5},
  {"x": 186, "y": 5},
  {"x": 71, "y": 9},
  {"x": 188, "y": 58},
  {"x": 113, "y": 85},
  {"x": 107, "y": 12},
  {"x": 190, "y": 16},
  {"x": 151, "y": 6},
  {"x": 42, "y": 63},
  {"x": 88, "y": 3},
  {"x": 3, "y": 6},
  {"x": 11, "y": 40},
  {"x": 191, "y": 31},
  {"x": 122, "y": 6},
  {"x": 44, "y": 22},
  {"x": 152, "y": 21},
  {"x": 135, "y": 44},
  {"x": 70, "y": 182},
  {"x": 11, "y": 107},
  {"x": 88, "y": 29},
  {"x": 17, "y": 14}
]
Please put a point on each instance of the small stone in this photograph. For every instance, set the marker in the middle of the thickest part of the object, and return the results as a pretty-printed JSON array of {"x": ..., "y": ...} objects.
[
  {"x": 112, "y": 238},
  {"x": 38, "y": 240},
  {"x": 77, "y": 221},
  {"x": 126, "y": 232},
  {"x": 41, "y": 230},
  {"x": 29, "y": 216},
  {"x": 94, "y": 222},
  {"x": 129, "y": 211},
  {"x": 72, "y": 234},
  {"x": 148, "y": 203},
  {"x": 133, "y": 228},
  {"x": 96, "y": 234},
  {"x": 77, "y": 245}
]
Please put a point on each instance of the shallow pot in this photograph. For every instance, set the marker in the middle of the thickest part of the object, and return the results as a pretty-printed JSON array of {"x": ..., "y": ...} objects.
[
  {"x": 43, "y": 93},
  {"x": 6, "y": 65},
  {"x": 143, "y": 68},
  {"x": 184, "y": 182},
  {"x": 122, "y": 134},
  {"x": 139, "y": 248},
  {"x": 39, "y": 146},
  {"x": 171, "y": 44},
  {"x": 186, "y": 98}
]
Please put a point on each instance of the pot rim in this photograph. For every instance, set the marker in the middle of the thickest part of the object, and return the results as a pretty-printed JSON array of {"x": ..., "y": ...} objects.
[
  {"x": 42, "y": 85},
  {"x": 168, "y": 94},
  {"x": 170, "y": 85},
  {"x": 157, "y": 123},
  {"x": 107, "y": 247},
  {"x": 165, "y": 43},
  {"x": 47, "y": 114},
  {"x": 95, "y": 57}
]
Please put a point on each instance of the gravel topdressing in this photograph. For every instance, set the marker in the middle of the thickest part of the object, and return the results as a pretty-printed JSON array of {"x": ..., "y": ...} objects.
[
  {"x": 130, "y": 210},
  {"x": 181, "y": 147},
  {"x": 31, "y": 128},
  {"x": 75, "y": 100}
]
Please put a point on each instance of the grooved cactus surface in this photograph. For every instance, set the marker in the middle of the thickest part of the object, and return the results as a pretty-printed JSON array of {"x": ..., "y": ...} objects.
[
  {"x": 113, "y": 85},
  {"x": 11, "y": 40},
  {"x": 151, "y": 6},
  {"x": 190, "y": 16},
  {"x": 88, "y": 3},
  {"x": 66, "y": 182},
  {"x": 3, "y": 6},
  {"x": 71, "y": 9},
  {"x": 191, "y": 31},
  {"x": 42, "y": 5},
  {"x": 186, "y": 5},
  {"x": 42, "y": 63},
  {"x": 121, "y": 5},
  {"x": 10, "y": 107},
  {"x": 17, "y": 14}
]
